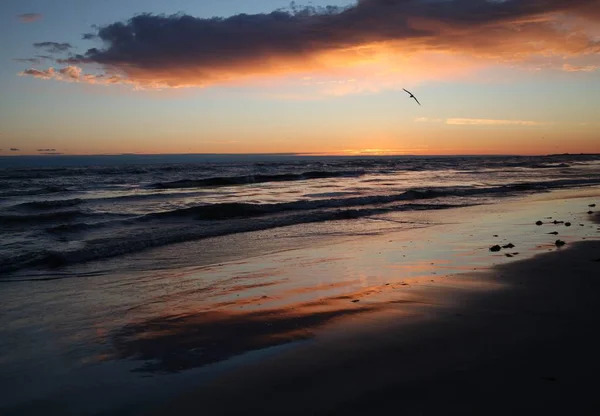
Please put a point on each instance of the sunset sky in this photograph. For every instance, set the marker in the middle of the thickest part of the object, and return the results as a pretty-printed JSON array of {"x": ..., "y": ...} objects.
[{"x": 326, "y": 77}]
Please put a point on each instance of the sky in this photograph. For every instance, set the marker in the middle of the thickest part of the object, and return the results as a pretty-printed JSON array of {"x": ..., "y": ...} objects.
[{"x": 315, "y": 77}]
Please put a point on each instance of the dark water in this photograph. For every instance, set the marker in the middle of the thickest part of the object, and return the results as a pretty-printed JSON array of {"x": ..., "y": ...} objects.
[{"x": 63, "y": 211}]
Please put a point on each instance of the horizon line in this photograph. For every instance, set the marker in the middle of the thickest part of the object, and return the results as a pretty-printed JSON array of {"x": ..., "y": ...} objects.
[{"x": 296, "y": 154}]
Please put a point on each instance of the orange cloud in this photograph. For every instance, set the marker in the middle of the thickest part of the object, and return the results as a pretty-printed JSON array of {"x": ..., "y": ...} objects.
[
  {"x": 492, "y": 122},
  {"x": 579, "y": 68},
  {"x": 481, "y": 122},
  {"x": 29, "y": 17},
  {"x": 379, "y": 42},
  {"x": 73, "y": 73}
]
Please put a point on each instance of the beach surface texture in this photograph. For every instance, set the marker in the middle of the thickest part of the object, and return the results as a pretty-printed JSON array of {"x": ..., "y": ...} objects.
[
  {"x": 480, "y": 300},
  {"x": 514, "y": 338}
]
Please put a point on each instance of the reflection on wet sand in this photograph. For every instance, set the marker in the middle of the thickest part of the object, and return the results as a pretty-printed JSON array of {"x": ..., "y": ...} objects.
[
  {"x": 216, "y": 329},
  {"x": 175, "y": 343},
  {"x": 225, "y": 310}
]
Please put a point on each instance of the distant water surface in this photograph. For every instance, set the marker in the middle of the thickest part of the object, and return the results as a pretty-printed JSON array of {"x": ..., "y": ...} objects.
[{"x": 57, "y": 211}]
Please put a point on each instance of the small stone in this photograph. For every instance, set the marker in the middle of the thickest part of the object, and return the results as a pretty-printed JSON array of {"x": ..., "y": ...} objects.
[
  {"x": 567, "y": 224},
  {"x": 591, "y": 205},
  {"x": 495, "y": 248},
  {"x": 508, "y": 255},
  {"x": 539, "y": 223},
  {"x": 559, "y": 243},
  {"x": 355, "y": 300},
  {"x": 495, "y": 235},
  {"x": 509, "y": 245},
  {"x": 590, "y": 212},
  {"x": 554, "y": 233}
]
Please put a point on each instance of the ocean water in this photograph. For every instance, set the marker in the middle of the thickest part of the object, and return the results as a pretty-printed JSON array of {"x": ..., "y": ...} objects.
[
  {"x": 68, "y": 211},
  {"x": 126, "y": 281}
]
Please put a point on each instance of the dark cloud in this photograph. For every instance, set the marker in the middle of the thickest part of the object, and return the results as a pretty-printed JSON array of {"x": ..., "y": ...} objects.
[
  {"x": 34, "y": 61},
  {"x": 29, "y": 17},
  {"x": 53, "y": 47},
  {"x": 89, "y": 36},
  {"x": 14, "y": 149},
  {"x": 46, "y": 150},
  {"x": 51, "y": 153},
  {"x": 182, "y": 50}
]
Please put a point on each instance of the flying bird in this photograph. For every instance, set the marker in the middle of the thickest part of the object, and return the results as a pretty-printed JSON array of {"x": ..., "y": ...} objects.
[{"x": 412, "y": 96}]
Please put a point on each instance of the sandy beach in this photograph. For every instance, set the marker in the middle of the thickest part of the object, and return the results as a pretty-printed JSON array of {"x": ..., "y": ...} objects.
[
  {"x": 417, "y": 316},
  {"x": 518, "y": 337}
]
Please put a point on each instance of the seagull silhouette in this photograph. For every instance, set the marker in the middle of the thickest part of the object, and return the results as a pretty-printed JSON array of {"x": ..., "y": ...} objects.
[{"x": 412, "y": 96}]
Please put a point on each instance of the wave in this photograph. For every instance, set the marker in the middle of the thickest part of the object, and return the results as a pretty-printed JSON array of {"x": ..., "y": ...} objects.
[
  {"x": 196, "y": 223},
  {"x": 72, "y": 228},
  {"x": 51, "y": 204},
  {"x": 229, "y": 210},
  {"x": 253, "y": 179},
  {"x": 36, "y": 191},
  {"x": 21, "y": 220},
  {"x": 142, "y": 239},
  {"x": 146, "y": 197},
  {"x": 548, "y": 165}
]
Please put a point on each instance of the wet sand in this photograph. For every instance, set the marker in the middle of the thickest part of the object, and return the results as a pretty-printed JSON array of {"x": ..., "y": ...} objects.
[
  {"x": 408, "y": 313},
  {"x": 522, "y": 339}
]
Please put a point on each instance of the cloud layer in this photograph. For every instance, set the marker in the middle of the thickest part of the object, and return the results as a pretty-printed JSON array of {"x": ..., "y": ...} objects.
[
  {"x": 182, "y": 50},
  {"x": 74, "y": 74},
  {"x": 481, "y": 122},
  {"x": 53, "y": 47}
]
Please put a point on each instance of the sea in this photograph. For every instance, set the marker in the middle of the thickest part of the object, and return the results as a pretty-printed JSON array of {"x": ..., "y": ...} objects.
[
  {"x": 70, "y": 210},
  {"x": 127, "y": 280}
]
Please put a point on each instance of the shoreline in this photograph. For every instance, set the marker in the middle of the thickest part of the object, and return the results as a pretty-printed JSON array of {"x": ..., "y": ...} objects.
[
  {"x": 526, "y": 344},
  {"x": 295, "y": 321}
]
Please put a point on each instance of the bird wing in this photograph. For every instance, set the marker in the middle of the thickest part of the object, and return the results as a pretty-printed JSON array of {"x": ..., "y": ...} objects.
[
  {"x": 416, "y": 100},
  {"x": 407, "y": 91}
]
